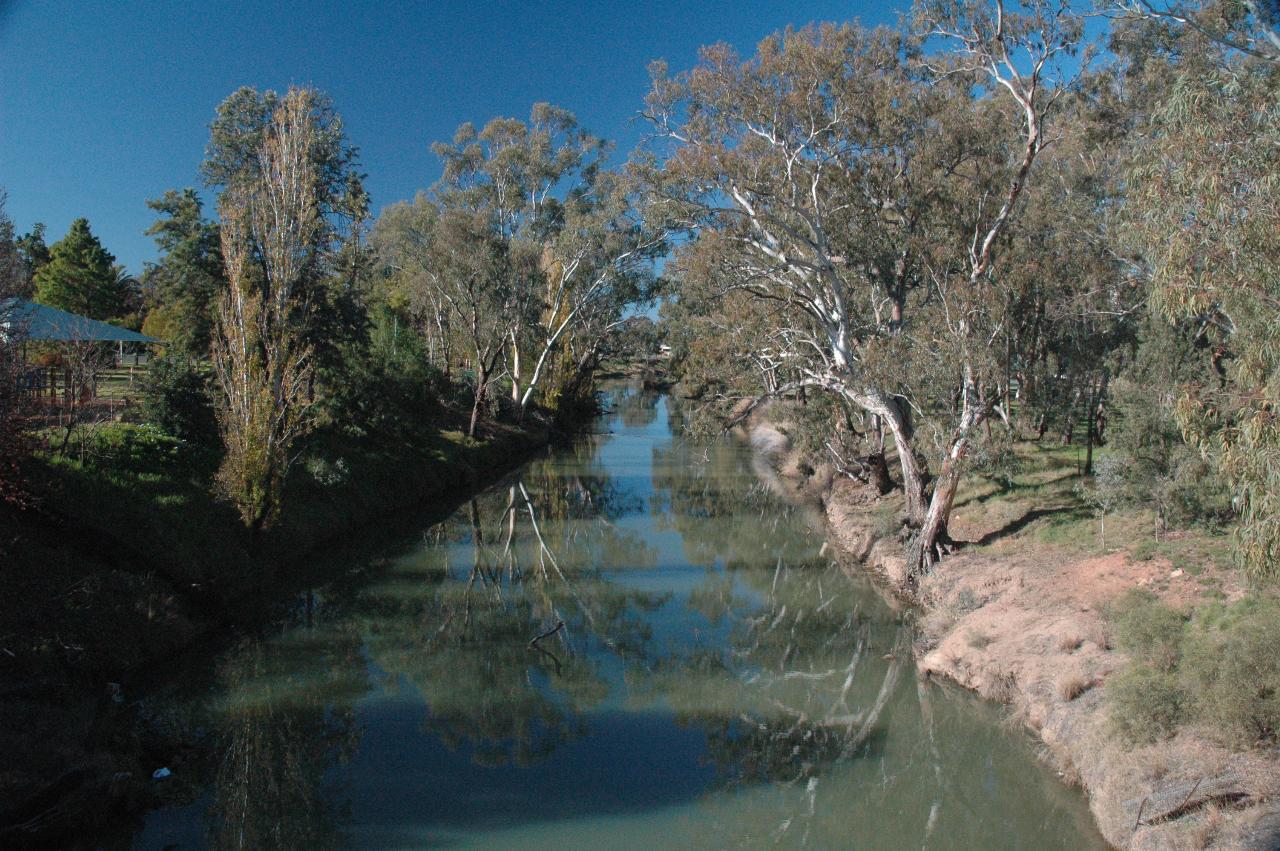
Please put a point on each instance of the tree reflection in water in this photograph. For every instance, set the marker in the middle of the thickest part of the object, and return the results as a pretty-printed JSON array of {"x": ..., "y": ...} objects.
[
  {"x": 515, "y": 563},
  {"x": 278, "y": 731},
  {"x": 687, "y": 599}
]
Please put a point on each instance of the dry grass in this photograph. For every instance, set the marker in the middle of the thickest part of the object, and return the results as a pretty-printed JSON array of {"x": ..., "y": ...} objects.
[
  {"x": 1208, "y": 823},
  {"x": 1070, "y": 643},
  {"x": 978, "y": 640},
  {"x": 1071, "y": 686}
]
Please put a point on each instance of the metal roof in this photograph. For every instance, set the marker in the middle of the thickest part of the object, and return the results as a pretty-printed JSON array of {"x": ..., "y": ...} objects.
[{"x": 40, "y": 322}]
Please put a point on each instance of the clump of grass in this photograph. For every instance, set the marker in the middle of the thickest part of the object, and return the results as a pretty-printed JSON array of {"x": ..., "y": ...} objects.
[
  {"x": 1145, "y": 550},
  {"x": 978, "y": 640},
  {"x": 1071, "y": 686},
  {"x": 1070, "y": 643}
]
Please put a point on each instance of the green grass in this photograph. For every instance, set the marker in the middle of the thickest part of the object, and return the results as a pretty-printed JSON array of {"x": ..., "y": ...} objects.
[{"x": 1042, "y": 502}]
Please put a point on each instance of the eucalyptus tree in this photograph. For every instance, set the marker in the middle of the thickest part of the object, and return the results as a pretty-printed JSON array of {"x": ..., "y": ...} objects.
[
  {"x": 459, "y": 273},
  {"x": 1203, "y": 214},
  {"x": 799, "y": 171},
  {"x": 1250, "y": 27},
  {"x": 1014, "y": 56},
  {"x": 579, "y": 254},
  {"x": 863, "y": 189}
]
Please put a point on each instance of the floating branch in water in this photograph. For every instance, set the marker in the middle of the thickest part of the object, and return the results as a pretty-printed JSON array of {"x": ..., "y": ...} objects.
[{"x": 533, "y": 642}]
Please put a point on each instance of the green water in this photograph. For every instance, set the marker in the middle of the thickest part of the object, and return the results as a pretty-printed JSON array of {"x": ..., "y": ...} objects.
[{"x": 717, "y": 682}]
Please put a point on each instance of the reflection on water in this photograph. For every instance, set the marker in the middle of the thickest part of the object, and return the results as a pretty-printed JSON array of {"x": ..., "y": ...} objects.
[{"x": 630, "y": 643}]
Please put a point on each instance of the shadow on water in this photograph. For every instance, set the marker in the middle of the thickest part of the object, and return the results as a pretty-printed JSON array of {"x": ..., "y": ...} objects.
[{"x": 629, "y": 643}]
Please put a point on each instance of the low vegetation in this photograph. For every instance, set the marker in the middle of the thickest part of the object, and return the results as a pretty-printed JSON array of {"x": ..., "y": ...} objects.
[{"x": 1217, "y": 670}]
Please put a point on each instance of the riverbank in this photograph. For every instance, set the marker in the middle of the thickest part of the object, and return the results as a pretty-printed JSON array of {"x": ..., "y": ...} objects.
[
  {"x": 130, "y": 561},
  {"x": 1019, "y": 615}
]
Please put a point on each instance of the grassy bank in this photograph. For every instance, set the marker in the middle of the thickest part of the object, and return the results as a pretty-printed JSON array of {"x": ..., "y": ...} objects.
[{"x": 130, "y": 558}]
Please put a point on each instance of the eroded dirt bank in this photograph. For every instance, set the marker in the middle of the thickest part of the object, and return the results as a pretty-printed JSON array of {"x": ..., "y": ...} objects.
[{"x": 1022, "y": 622}]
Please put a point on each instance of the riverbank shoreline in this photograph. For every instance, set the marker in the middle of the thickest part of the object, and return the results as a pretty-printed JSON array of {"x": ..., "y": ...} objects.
[
  {"x": 1023, "y": 623},
  {"x": 73, "y": 763}
]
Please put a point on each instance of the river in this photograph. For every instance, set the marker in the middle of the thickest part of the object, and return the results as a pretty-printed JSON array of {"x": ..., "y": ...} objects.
[{"x": 629, "y": 643}]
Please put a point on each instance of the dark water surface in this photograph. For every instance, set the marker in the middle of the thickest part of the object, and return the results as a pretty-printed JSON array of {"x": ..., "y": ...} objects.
[{"x": 717, "y": 682}]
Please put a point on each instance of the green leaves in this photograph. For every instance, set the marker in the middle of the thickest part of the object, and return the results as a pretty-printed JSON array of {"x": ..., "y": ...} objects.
[
  {"x": 80, "y": 277},
  {"x": 1205, "y": 213}
]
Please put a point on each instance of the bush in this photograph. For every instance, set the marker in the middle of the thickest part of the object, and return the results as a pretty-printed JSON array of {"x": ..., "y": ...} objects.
[
  {"x": 1146, "y": 704},
  {"x": 1150, "y": 631},
  {"x": 1220, "y": 670},
  {"x": 1158, "y": 469},
  {"x": 387, "y": 389},
  {"x": 176, "y": 396},
  {"x": 1231, "y": 670}
]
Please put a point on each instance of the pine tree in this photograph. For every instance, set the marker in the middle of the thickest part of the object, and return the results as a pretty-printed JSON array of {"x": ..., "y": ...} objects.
[
  {"x": 80, "y": 276},
  {"x": 185, "y": 284}
]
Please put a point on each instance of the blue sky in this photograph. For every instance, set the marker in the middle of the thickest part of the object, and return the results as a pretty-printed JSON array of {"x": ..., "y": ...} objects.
[{"x": 106, "y": 104}]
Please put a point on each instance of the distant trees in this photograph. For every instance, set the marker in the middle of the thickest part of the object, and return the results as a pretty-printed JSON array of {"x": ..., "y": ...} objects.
[
  {"x": 81, "y": 276},
  {"x": 14, "y": 443},
  {"x": 184, "y": 285},
  {"x": 525, "y": 254},
  {"x": 460, "y": 275}
]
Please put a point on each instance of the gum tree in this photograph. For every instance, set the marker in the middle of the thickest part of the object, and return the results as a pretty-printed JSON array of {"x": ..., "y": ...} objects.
[{"x": 864, "y": 189}]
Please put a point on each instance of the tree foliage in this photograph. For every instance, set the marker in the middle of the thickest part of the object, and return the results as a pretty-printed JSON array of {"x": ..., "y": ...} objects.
[
  {"x": 271, "y": 232},
  {"x": 81, "y": 277},
  {"x": 1204, "y": 212},
  {"x": 183, "y": 287}
]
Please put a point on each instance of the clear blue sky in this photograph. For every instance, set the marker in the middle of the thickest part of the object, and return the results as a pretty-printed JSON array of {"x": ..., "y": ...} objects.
[{"x": 105, "y": 104}]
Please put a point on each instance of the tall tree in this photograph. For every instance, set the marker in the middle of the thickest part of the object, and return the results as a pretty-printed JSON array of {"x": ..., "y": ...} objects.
[
  {"x": 579, "y": 253},
  {"x": 271, "y": 234},
  {"x": 1203, "y": 213},
  {"x": 802, "y": 162},
  {"x": 330, "y": 282},
  {"x": 459, "y": 273},
  {"x": 1012, "y": 54},
  {"x": 866, "y": 197},
  {"x": 81, "y": 277}
]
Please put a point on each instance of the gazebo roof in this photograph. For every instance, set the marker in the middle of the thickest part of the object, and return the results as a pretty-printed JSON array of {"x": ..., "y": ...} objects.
[{"x": 41, "y": 322}]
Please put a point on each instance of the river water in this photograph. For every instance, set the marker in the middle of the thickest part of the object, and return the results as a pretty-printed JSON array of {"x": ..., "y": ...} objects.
[{"x": 706, "y": 677}]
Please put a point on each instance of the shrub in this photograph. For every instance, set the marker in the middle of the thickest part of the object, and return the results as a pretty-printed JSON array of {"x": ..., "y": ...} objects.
[
  {"x": 1221, "y": 670},
  {"x": 1145, "y": 703},
  {"x": 387, "y": 389},
  {"x": 176, "y": 397},
  {"x": 1231, "y": 670},
  {"x": 1150, "y": 631}
]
